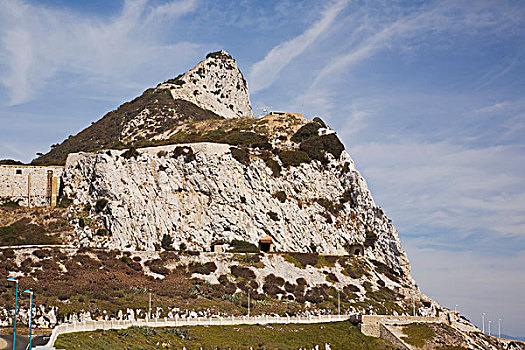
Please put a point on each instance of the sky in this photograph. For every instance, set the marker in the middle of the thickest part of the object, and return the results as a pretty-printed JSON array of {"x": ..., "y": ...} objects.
[{"x": 427, "y": 96}]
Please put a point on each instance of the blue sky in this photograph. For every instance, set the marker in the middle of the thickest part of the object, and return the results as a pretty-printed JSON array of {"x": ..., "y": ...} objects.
[{"x": 428, "y": 97}]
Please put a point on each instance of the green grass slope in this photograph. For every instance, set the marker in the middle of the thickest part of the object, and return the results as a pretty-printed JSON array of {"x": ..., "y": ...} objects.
[{"x": 340, "y": 335}]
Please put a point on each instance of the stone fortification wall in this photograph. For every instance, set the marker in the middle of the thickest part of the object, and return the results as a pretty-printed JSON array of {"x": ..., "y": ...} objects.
[{"x": 30, "y": 185}]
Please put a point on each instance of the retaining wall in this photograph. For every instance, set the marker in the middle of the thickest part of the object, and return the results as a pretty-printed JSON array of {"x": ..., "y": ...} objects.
[{"x": 371, "y": 324}]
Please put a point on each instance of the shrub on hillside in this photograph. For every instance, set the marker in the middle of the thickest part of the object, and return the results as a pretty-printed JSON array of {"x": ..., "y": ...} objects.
[
  {"x": 316, "y": 295},
  {"x": 273, "y": 215},
  {"x": 130, "y": 153},
  {"x": 274, "y": 166},
  {"x": 184, "y": 151},
  {"x": 306, "y": 259},
  {"x": 319, "y": 121},
  {"x": 10, "y": 162},
  {"x": 229, "y": 287},
  {"x": 370, "y": 238},
  {"x": 242, "y": 272},
  {"x": 157, "y": 266},
  {"x": 240, "y": 155},
  {"x": 10, "y": 204},
  {"x": 214, "y": 135},
  {"x": 167, "y": 242},
  {"x": 238, "y": 246},
  {"x": 331, "y": 276},
  {"x": 42, "y": 253},
  {"x": 247, "y": 139},
  {"x": 293, "y": 158},
  {"x": 204, "y": 269},
  {"x": 65, "y": 202},
  {"x": 273, "y": 285},
  {"x": 281, "y": 196},
  {"x": 386, "y": 270},
  {"x": 350, "y": 288},
  {"x": 102, "y": 232},
  {"x": 101, "y": 204},
  {"x": 305, "y": 132},
  {"x": 317, "y": 146}
]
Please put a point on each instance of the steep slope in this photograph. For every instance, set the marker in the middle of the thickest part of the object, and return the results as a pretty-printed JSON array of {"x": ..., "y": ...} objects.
[
  {"x": 213, "y": 89},
  {"x": 312, "y": 199}
]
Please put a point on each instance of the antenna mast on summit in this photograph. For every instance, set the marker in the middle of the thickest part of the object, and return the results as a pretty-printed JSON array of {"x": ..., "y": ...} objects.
[{"x": 264, "y": 110}]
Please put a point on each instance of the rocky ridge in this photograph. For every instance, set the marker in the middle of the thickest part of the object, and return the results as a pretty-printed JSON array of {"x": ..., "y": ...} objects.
[
  {"x": 213, "y": 89},
  {"x": 215, "y": 84}
]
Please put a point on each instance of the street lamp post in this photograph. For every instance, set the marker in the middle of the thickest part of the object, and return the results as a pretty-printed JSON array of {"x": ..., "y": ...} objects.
[
  {"x": 248, "y": 303},
  {"x": 12, "y": 279},
  {"x": 489, "y": 326},
  {"x": 149, "y": 312},
  {"x": 338, "y": 304},
  {"x": 413, "y": 304},
  {"x": 499, "y": 327},
  {"x": 483, "y": 319},
  {"x": 30, "y": 316}
]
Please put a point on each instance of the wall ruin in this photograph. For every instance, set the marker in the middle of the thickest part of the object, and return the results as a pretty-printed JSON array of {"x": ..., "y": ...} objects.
[{"x": 30, "y": 186}]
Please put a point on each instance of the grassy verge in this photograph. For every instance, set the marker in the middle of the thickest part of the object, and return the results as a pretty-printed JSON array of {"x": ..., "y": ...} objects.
[
  {"x": 418, "y": 334},
  {"x": 340, "y": 335}
]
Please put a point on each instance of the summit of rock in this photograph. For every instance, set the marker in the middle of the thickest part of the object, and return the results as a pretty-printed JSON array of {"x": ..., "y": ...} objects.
[
  {"x": 215, "y": 84},
  {"x": 214, "y": 89}
]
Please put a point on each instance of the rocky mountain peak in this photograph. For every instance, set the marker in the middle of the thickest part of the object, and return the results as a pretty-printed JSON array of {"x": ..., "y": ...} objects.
[
  {"x": 213, "y": 89},
  {"x": 215, "y": 84}
]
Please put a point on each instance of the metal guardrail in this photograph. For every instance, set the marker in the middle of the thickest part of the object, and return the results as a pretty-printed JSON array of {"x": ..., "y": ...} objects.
[{"x": 87, "y": 326}]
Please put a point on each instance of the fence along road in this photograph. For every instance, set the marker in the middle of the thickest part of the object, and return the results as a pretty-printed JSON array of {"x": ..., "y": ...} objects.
[{"x": 87, "y": 326}]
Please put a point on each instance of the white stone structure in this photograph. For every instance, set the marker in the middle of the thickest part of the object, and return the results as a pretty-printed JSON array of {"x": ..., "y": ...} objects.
[{"x": 27, "y": 185}]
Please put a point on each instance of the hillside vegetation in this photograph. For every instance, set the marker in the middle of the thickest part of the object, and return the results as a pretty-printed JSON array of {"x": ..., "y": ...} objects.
[
  {"x": 105, "y": 282},
  {"x": 106, "y": 132}
]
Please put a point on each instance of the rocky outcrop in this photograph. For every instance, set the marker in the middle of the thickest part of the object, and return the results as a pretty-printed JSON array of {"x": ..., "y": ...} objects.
[
  {"x": 211, "y": 196},
  {"x": 215, "y": 84},
  {"x": 213, "y": 89}
]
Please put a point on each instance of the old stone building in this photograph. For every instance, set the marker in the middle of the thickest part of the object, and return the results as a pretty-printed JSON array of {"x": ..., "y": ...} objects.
[{"x": 32, "y": 186}]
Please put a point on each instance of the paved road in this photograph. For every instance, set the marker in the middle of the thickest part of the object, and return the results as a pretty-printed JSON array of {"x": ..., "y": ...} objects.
[
  {"x": 37, "y": 246},
  {"x": 22, "y": 341}
]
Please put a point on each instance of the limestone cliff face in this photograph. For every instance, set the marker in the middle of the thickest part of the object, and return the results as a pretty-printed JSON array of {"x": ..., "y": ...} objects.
[
  {"x": 212, "y": 196},
  {"x": 215, "y": 84}
]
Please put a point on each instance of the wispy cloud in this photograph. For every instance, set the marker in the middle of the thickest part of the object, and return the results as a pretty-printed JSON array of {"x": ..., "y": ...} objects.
[
  {"x": 407, "y": 32},
  {"x": 493, "y": 108},
  {"x": 42, "y": 43},
  {"x": 476, "y": 282},
  {"x": 449, "y": 188},
  {"x": 264, "y": 73}
]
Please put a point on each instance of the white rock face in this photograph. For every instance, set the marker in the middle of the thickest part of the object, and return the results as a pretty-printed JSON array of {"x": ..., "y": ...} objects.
[
  {"x": 215, "y": 84},
  {"x": 215, "y": 197}
]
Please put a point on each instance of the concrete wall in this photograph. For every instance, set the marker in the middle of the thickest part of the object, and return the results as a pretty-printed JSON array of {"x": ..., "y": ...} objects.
[
  {"x": 389, "y": 336},
  {"x": 391, "y": 319},
  {"x": 371, "y": 324},
  {"x": 33, "y": 186}
]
